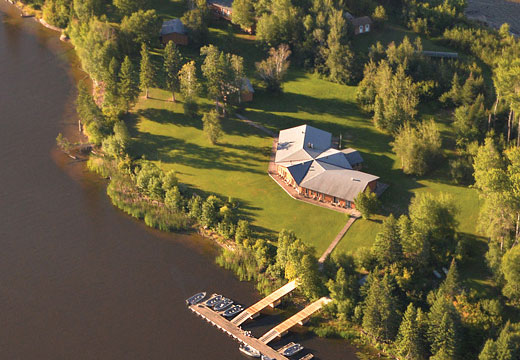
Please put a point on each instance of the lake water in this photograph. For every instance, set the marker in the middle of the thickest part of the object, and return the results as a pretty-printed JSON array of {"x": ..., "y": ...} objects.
[{"x": 78, "y": 278}]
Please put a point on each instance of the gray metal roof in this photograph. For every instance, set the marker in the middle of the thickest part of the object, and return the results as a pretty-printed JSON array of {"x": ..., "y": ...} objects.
[
  {"x": 302, "y": 143},
  {"x": 342, "y": 183},
  {"x": 335, "y": 157},
  {"x": 307, "y": 153},
  {"x": 353, "y": 156},
  {"x": 299, "y": 171},
  {"x": 173, "y": 26}
]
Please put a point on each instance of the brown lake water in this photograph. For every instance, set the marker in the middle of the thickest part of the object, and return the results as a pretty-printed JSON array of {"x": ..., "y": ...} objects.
[{"x": 78, "y": 278}]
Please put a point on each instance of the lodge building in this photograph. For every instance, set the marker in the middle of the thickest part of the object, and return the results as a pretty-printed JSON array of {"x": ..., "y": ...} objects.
[{"x": 306, "y": 160}]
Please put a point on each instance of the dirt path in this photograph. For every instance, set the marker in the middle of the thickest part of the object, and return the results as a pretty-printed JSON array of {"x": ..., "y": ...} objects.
[{"x": 336, "y": 241}]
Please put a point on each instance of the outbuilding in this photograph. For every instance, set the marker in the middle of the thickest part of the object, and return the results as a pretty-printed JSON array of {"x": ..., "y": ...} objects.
[
  {"x": 174, "y": 30},
  {"x": 362, "y": 25}
]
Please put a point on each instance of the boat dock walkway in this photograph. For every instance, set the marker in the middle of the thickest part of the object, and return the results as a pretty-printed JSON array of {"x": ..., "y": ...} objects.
[
  {"x": 299, "y": 318},
  {"x": 235, "y": 331},
  {"x": 271, "y": 300}
]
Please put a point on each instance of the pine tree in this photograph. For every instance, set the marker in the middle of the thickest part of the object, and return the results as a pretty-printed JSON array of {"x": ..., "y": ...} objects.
[
  {"x": 442, "y": 329},
  {"x": 172, "y": 66},
  {"x": 128, "y": 87},
  {"x": 489, "y": 352},
  {"x": 387, "y": 247},
  {"x": 380, "y": 316},
  {"x": 451, "y": 285},
  {"x": 110, "y": 82},
  {"x": 444, "y": 344},
  {"x": 409, "y": 342},
  {"x": 147, "y": 73}
]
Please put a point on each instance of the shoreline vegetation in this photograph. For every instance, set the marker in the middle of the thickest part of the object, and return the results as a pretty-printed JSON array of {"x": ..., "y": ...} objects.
[{"x": 420, "y": 288}]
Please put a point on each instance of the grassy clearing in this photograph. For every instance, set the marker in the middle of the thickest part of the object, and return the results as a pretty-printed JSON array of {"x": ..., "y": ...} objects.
[
  {"x": 236, "y": 167},
  {"x": 332, "y": 107}
]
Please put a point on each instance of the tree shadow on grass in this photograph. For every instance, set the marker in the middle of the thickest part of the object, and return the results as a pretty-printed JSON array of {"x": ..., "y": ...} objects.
[
  {"x": 473, "y": 268},
  {"x": 163, "y": 116},
  {"x": 177, "y": 151}
]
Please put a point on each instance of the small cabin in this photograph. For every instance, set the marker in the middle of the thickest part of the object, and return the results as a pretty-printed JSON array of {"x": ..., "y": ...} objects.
[
  {"x": 362, "y": 25},
  {"x": 174, "y": 30},
  {"x": 247, "y": 91}
]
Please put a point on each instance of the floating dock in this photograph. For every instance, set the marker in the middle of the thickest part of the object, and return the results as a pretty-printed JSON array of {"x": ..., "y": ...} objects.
[
  {"x": 271, "y": 300},
  {"x": 235, "y": 331},
  {"x": 297, "y": 319}
]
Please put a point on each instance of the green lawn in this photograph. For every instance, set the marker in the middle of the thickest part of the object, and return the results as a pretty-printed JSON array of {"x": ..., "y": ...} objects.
[
  {"x": 237, "y": 166},
  {"x": 234, "y": 168},
  {"x": 332, "y": 107}
]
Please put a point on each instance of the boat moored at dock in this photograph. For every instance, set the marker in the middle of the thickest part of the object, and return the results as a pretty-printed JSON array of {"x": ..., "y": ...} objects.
[
  {"x": 292, "y": 349},
  {"x": 232, "y": 311},
  {"x": 249, "y": 351},
  {"x": 215, "y": 298},
  {"x": 195, "y": 299},
  {"x": 223, "y": 304}
]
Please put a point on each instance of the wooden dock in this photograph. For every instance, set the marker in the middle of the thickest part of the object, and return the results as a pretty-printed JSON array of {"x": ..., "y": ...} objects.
[
  {"x": 297, "y": 319},
  {"x": 271, "y": 300},
  {"x": 235, "y": 331}
]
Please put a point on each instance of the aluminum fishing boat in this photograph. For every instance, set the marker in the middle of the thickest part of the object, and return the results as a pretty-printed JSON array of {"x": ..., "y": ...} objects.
[
  {"x": 195, "y": 299},
  {"x": 232, "y": 311}
]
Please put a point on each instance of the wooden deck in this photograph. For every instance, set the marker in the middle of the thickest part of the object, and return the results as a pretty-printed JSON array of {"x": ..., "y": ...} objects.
[
  {"x": 272, "y": 300},
  {"x": 235, "y": 331},
  {"x": 298, "y": 318}
]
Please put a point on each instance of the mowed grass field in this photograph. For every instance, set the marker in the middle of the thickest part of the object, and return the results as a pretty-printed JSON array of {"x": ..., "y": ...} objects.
[{"x": 236, "y": 167}]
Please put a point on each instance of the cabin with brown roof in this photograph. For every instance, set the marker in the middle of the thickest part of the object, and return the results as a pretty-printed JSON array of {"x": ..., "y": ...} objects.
[
  {"x": 306, "y": 160},
  {"x": 174, "y": 30},
  {"x": 362, "y": 25}
]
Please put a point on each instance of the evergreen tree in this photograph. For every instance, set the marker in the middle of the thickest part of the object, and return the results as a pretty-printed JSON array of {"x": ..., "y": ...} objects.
[
  {"x": 128, "y": 86},
  {"x": 442, "y": 329},
  {"x": 451, "y": 285},
  {"x": 218, "y": 73},
  {"x": 409, "y": 342},
  {"x": 445, "y": 341},
  {"x": 489, "y": 352},
  {"x": 172, "y": 66},
  {"x": 147, "y": 73},
  {"x": 380, "y": 313},
  {"x": 387, "y": 247},
  {"x": 111, "y": 90}
]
